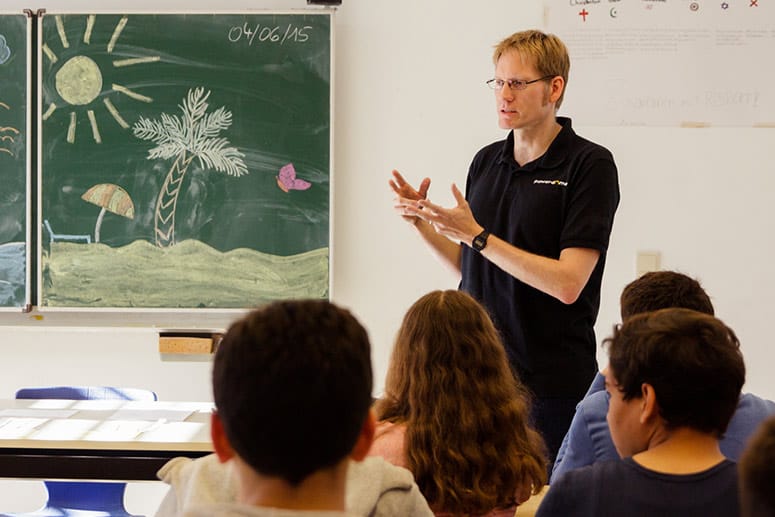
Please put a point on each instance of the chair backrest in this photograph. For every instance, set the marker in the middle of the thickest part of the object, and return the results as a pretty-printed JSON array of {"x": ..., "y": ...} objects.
[
  {"x": 85, "y": 498},
  {"x": 85, "y": 393}
]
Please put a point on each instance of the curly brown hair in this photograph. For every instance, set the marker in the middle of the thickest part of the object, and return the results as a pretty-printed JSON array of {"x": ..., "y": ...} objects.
[{"x": 468, "y": 439}]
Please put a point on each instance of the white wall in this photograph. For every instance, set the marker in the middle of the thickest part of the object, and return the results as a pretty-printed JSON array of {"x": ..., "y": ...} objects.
[{"x": 410, "y": 94}]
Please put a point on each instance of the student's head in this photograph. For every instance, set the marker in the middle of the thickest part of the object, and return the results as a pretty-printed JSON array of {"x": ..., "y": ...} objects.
[
  {"x": 661, "y": 290},
  {"x": 292, "y": 385},
  {"x": 546, "y": 52},
  {"x": 757, "y": 473},
  {"x": 466, "y": 415},
  {"x": 673, "y": 368}
]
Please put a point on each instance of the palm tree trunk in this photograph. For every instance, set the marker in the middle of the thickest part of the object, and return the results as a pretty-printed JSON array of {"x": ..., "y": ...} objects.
[{"x": 164, "y": 218}]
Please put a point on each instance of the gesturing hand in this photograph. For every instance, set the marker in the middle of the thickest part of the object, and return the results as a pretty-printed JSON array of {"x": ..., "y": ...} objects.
[
  {"x": 407, "y": 196},
  {"x": 456, "y": 223}
]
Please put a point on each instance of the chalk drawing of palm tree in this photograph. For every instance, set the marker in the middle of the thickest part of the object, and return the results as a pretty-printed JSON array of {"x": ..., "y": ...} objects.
[{"x": 194, "y": 135}]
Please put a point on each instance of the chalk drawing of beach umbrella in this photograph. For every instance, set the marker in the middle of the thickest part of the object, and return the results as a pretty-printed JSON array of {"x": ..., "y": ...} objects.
[{"x": 110, "y": 198}]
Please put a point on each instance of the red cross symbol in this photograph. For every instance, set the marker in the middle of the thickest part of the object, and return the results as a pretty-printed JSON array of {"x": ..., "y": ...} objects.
[
  {"x": 583, "y": 13},
  {"x": 754, "y": 3}
]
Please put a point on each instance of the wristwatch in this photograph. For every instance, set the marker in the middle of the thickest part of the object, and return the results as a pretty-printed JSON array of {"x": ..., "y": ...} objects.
[{"x": 480, "y": 241}]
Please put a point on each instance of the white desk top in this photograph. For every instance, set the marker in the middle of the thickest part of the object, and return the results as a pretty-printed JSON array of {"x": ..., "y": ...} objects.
[{"x": 105, "y": 425}]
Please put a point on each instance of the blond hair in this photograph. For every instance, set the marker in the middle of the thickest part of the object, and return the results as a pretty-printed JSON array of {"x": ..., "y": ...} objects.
[{"x": 546, "y": 52}]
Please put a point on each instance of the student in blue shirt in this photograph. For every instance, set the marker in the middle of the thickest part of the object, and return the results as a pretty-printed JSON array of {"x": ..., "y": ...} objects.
[
  {"x": 589, "y": 439},
  {"x": 673, "y": 382}
]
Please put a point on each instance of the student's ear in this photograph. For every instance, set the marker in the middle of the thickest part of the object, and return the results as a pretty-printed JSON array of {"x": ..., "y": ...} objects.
[
  {"x": 365, "y": 439},
  {"x": 221, "y": 443},
  {"x": 649, "y": 405}
]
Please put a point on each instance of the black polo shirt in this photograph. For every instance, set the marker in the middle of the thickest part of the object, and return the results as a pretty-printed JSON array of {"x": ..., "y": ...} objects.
[{"x": 565, "y": 199}]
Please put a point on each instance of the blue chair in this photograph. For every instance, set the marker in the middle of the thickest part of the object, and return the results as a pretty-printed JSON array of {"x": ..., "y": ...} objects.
[{"x": 84, "y": 499}]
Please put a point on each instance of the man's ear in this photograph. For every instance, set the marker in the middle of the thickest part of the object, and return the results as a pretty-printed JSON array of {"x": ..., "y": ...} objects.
[
  {"x": 365, "y": 439},
  {"x": 649, "y": 404},
  {"x": 221, "y": 443},
  {"x": 556, "y": 87}
]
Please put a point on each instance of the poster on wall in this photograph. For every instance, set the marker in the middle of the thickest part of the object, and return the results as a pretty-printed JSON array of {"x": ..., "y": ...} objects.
[{"x": 667, "y": 62}]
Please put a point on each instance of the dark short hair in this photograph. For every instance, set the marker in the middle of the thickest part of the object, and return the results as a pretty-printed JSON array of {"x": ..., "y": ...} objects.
[
  {"x": 692, "y": 360},
  {"x": 292, "y": 385},
  {"x": 757, "y": 472},
  {"x": 663, "y": 289}
]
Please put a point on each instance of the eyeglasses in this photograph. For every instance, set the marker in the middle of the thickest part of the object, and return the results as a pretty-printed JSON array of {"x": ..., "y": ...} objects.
[{"x": 514, "y": 84}]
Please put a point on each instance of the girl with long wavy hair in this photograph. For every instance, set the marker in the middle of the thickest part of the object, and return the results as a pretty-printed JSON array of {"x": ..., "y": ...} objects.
[{"x": 455, "y": 415}]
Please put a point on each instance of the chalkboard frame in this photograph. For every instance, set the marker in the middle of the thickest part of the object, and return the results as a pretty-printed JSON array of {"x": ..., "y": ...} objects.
[
  {"x": 41, "y": 305},
  {"x": 29, "y": 243}
]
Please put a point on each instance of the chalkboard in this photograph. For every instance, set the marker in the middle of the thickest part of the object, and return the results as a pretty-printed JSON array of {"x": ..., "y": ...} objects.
[
  {"x": 14, "y": 160},
  {"x": 185, "y": 159}
]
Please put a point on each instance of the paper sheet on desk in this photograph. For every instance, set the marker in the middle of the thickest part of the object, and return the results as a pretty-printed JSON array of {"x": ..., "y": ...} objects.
[
  {"x": 120, "y": 430},
  {"x": 37, "y": 413},
  {"x": 171, "y": 432},
  {"x": 166, "y": 415},
  {"x": 74, "y": 429},
  {"x": 14, "y": 427}
]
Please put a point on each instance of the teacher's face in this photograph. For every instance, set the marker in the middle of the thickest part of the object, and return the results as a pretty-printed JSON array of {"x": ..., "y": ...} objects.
[{"x": 522, "y": 109}]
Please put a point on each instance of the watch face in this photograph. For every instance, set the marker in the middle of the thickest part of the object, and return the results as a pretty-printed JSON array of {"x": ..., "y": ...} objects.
[{"x": 480, "y": 241}]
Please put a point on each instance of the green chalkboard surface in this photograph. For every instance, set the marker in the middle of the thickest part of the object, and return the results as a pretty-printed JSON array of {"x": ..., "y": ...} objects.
[
  {"x": 185, "y": 159},
  {"x": 14, "y": 162}
]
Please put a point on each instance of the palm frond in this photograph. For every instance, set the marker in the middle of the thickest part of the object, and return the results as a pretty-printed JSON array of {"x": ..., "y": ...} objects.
[
  {"x": 214, "y": 154},
  {"x": 194, "y": 106},
  {"x": 167, "y": 151},
  {"x": 147, "y": 129},
  {"x": 195, "y": 132},
  {"x": 213, "y": 123},
  {"x": 174, "y": 126}
]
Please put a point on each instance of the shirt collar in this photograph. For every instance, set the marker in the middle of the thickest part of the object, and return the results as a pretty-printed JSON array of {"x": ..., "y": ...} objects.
[{"x": 554, "y": 155}]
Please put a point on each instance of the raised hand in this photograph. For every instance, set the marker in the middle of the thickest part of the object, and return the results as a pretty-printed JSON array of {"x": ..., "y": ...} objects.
[
  {"x": 456, "y": 223},
  {"x": 407, "y": 196}
]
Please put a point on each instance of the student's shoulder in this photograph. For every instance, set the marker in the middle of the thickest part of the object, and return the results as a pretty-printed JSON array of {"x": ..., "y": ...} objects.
[
  {"x": 599, "y": 474},
  {"x": 751, "y": 402},
  {"x": 381, "y": 489},
  {"x": 594, "y": 403},
  {"x": 242, "y": 510},
  {"x": 571, "y": 493}
]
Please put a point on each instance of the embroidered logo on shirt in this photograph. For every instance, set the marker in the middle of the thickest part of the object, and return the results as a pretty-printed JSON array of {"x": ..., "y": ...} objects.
[{"x": 551, "y": 182}]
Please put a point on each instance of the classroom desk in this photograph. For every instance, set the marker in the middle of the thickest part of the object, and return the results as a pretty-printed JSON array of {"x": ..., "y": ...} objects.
[{"x": 99, "y": 439}]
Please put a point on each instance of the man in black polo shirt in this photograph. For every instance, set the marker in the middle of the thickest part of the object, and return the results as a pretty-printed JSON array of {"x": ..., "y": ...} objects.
[{"x": 530, "y": 236}]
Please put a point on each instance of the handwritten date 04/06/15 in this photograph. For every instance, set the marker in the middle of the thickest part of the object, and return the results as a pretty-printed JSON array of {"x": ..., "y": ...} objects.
[{"x": 264, "y": 33}]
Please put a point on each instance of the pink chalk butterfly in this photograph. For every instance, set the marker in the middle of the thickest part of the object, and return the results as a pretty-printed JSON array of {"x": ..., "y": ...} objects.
[{"x": 287, "y": 179}]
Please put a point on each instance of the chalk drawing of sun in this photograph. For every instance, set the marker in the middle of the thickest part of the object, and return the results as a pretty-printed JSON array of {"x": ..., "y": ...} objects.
[
  {"x": 8, "y": 134},
  {"x": 78, "y": 79}
]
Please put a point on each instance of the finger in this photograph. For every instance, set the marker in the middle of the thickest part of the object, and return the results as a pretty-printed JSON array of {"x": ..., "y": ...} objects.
[
  {"x": 459, "y": 197},
  {"x": 424, "y": 215},
  {"x": 414, "y": 212},
  {"x": 394, "y": 187},
  {"x": 424, "y": 203},
  {"x": 424, "y": 186},
  {"x": 405, "y": 201},
  {"x": 399, "y": 179}
]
